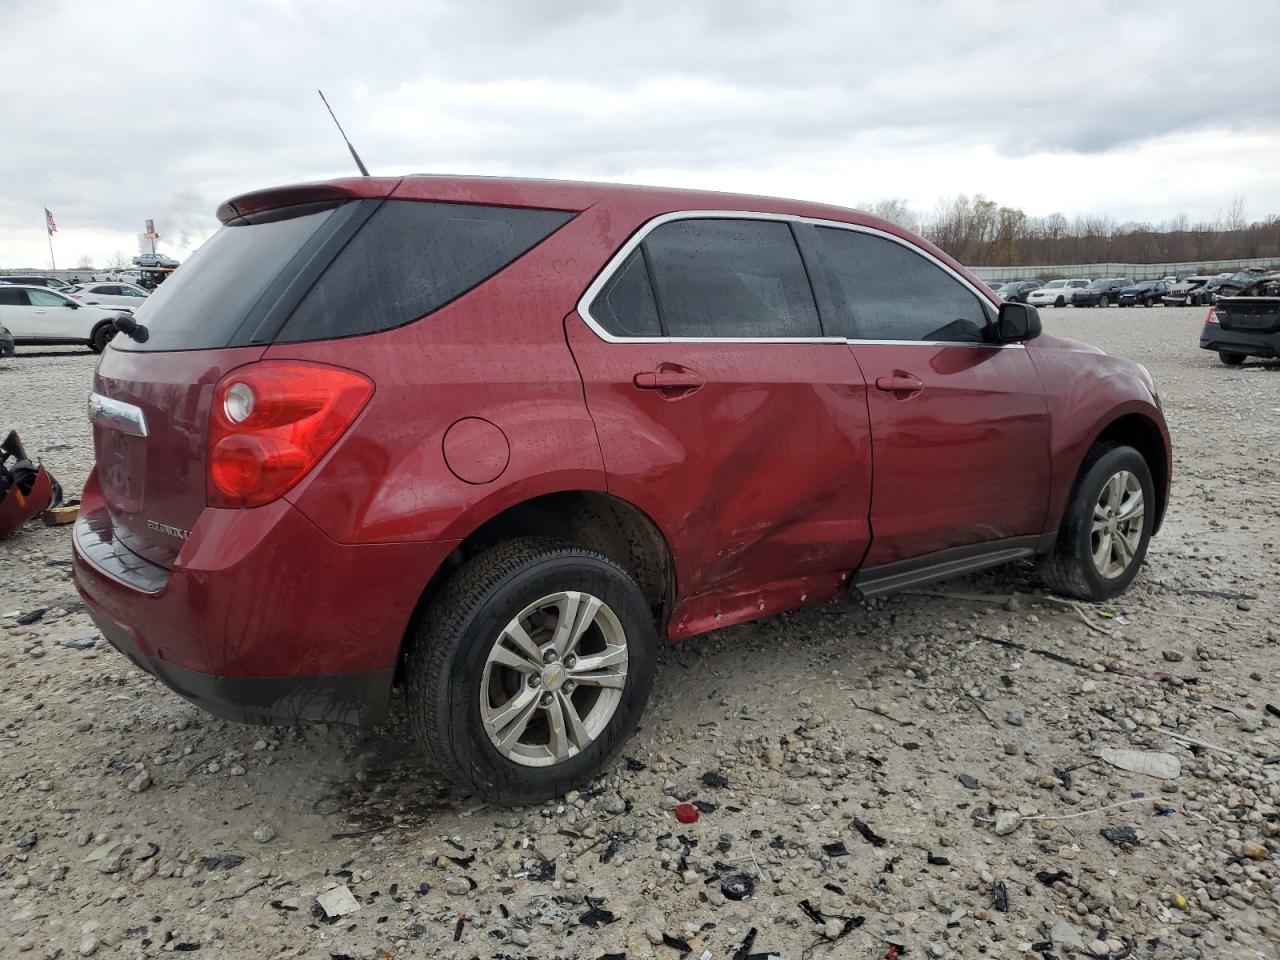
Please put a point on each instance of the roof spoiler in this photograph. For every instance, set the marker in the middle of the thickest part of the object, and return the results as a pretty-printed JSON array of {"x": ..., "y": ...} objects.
[{"x": 273, "y": 198}]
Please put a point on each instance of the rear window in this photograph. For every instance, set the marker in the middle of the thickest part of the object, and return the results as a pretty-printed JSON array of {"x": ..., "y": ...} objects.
[
  {"x": 412, "y": 258},
  {"x": 256, "y": 282},
  {"x": 202, "y": 305}
]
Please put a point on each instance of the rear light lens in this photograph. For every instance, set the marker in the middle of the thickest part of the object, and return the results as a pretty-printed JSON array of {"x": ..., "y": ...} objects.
[
  {"x": 1211, "y": 316},
  {"x": 272, "y": 422}
]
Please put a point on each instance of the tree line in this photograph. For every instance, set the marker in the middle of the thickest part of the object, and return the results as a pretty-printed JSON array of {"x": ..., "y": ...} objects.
[{"x": 981, "y": 232}]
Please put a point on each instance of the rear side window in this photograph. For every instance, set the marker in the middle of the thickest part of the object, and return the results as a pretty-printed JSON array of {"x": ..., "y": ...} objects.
[
  {"x": 886, "y": 291},
  {"x": 12, "y": 296},
  {"x": 625, "y": 307},
  {"x": 202, "y": 305},
  {"x": 726, "y": 278},
  {"x": 412, "y": 258}
]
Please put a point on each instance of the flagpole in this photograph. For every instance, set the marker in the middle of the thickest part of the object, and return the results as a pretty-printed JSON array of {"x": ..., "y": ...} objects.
[{"x": 53, "y": 263}]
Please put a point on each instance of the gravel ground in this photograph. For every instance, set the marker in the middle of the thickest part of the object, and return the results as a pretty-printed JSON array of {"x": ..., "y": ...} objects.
[{"x": 920, "y": 775}]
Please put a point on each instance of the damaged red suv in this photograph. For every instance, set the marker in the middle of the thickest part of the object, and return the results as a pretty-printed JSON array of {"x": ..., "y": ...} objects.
[{"x": 492, "y": 439}]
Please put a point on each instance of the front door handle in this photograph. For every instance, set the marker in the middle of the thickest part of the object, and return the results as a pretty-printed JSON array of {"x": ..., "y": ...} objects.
[
  {"x": 901, "y": 384},
  {"x": 667, "y": 379}
]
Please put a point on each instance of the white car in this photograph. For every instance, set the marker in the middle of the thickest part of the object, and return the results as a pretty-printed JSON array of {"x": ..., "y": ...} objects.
[
  {"x": 38, "y": 315},
  {"x": 123, "y": 295},
  {"x": 1056, "y": 293}
]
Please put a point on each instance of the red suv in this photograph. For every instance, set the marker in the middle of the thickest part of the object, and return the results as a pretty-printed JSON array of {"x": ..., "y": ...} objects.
[{"x": 491, "y": 439}]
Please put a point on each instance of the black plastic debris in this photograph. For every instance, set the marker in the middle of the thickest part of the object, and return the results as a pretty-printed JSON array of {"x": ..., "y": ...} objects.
[
  {"x": 969, "y": 783},
  {"x": 837, "y": 849},
  {"x": 811, "y": 913},
  {"x": 737, "y": 886},
  {"x": 634, "y": 765},
  {"x": 705, "y": 806},
  {"x": 545, "y": 870},
  {"x": 228, "y": 861},
  {"x": 613, "y": 956},
  {"x": 463, "y": 862},
  {"x": 424, "y": 888},
  {"x": 744, "y": 950},
  {"x": 1119, "y": 835},
  {"x": 28, "y": 842},
  {"x": 81, "y": 643},
  {"x": 868, "y": 834},
  {"x": 675, "y": 943},
  {"x": 1001, "y": 895},
  {"x": 31, "y": 616},
  {"x": 595, "y": 915},
  {"x": 457, "y": 928},
  {"x": 282, "y": 907},
  {"x": 935, "y": 861},
  {"x": 715, "y": 781},
  {"x": 1050, "y": 877}
]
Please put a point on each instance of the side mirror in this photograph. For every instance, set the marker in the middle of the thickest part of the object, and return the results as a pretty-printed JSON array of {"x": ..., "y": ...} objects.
[
  {"x": 72, "y": 304},
  {"x": 1016, "y": 323}
]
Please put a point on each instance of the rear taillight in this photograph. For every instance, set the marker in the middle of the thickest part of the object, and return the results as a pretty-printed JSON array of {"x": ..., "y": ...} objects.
[
  {"x": 272, "y": 422},
  {"x": 1211, "y": 316}
]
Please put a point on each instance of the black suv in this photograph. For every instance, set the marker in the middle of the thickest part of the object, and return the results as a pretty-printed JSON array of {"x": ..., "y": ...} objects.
[
  {"x": 1101, "y": 293},
  {"x": 1016, "y": 291}
]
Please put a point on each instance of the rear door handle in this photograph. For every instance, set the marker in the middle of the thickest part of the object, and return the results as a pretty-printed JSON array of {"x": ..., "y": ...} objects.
[
  {"x": 901, "y": 384},
  {"x": 663, "y": 379}
]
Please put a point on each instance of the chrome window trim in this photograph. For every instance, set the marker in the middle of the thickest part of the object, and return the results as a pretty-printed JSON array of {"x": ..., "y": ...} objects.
[
  {"x": 619, "y": 257},
  {"x": 117, "y": 415}
]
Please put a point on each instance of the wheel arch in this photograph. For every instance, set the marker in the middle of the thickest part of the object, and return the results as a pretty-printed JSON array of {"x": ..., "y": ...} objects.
[{"x": 598, "y": 521}]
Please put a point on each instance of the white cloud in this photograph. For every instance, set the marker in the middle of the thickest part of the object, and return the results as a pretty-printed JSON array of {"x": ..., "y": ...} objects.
[{"x": 1126, "y": 110}]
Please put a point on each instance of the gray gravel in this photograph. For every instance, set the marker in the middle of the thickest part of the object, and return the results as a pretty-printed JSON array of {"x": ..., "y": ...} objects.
[{"x": 893, "y": 773}]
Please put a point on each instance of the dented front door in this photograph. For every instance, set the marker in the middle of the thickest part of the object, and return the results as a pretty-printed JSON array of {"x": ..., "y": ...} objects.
[{"x": 752, "y": 457}]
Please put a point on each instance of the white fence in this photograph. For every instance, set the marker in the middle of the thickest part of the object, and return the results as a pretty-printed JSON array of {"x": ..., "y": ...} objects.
[{"x": 1134, "y": 271}]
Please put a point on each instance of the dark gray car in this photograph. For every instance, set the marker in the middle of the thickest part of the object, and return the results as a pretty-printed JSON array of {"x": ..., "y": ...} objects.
[{"x": 1246, "y": 325}]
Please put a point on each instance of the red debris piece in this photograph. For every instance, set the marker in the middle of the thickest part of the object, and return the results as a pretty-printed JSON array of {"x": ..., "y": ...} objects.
[{"x": 687, "y": 813}]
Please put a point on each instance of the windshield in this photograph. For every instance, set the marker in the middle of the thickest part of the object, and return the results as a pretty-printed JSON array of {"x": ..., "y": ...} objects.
[
  {"x": 1099, "y": 284},
  {"x": 1011, "y": 287},
  {"x": 1055, "y": 284}
]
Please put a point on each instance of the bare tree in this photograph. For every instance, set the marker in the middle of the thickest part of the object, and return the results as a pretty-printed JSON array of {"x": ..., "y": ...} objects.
[{"x": 85, "y": 263}]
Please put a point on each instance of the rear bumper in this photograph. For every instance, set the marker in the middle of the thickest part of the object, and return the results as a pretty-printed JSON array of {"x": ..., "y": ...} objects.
[
  {"x": 1244, "y": 342},
  {"x": 263, "y": 618}
]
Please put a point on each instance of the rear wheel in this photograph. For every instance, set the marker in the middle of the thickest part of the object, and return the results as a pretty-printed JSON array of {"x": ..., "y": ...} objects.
[
  {"x": 1104, "y": 533},
  {"x": 530, "y": 669},
  {"x": 1231, "y": 359},
  {"x": 101, "y": 336},
  {"x": 1104, "y": 301},
  {"x": 1146, "y": 302},
  {"x": 1060, "y": 302}
]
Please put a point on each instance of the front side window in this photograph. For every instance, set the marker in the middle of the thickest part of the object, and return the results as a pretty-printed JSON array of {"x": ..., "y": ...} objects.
[
  {"x": 886, "y": 291},
  {"x": 45, "y": 298},
  {"x": 724, "y": 278}
]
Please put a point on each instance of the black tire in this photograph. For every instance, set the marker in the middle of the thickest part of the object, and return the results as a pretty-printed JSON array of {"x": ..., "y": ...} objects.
[
  {"x": 1231, "y": 359},
  {"x": 447, "y": 658},
  {"x": 1146, "y": 302},
  {"x": 101, "y": 336},
  {"x": 1104, "y": 301},
  {"x": 1059, "y": 302},
  {"x": 1068, "y": 568}
]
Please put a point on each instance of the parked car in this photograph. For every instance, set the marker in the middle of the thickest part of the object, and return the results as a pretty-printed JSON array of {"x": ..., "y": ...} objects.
[
  {"x": 993, "y": 285},
  {"x": 154, "y": 260},
  {"x": 40, "y": 316},
  {"x": 1145, "y": 292},
  {"x": 6, "y": 342},
  {"x": 53, "y": 283},
  {"x": 123, "y": 296},
  {"x": 462, "y": 445},
  {"x": 1017, "y": 290},
  {"x": 1246, "y": 324},
  {"x": 1055, "y": 293},
  {"x": 1100, "y": 293},
  {"x": 1187, "y": 292}
]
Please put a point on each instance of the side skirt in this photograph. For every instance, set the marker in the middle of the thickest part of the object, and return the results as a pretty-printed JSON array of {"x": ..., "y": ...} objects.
[{"x": 954, "y": 562}]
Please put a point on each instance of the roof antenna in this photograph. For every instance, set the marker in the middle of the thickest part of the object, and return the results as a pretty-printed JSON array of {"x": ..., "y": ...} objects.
[{"x": 364, "y": 171}]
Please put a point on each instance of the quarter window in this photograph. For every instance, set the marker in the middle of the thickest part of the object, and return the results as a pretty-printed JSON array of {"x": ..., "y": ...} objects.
[
  {"x": 886, "y": 291},
  {"x": 12, "y": 296},
  {"x": 727, "y": 278},
  {"x": 625, "y": 307}
]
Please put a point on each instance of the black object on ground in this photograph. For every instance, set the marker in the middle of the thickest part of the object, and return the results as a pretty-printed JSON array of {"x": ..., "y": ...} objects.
[
  {"x": 737, "y": 886},
  {"x": 868, "y": 834},
  {"x": 1119, "y": 834}
]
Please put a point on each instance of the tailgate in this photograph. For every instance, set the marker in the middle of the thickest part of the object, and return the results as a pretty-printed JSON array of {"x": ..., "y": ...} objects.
[
  {"x": 1249, "y": 314},
  {"x": 150, "y": 416}
]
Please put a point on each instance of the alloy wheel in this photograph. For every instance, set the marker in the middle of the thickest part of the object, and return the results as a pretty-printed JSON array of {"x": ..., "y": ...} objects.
[
  {"x": 1117, "y": 524},
  {"x": 553, "y": 679}
]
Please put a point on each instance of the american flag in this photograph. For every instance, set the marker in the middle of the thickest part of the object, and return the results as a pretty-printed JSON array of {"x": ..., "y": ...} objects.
[{"x": 48, "y": 222}]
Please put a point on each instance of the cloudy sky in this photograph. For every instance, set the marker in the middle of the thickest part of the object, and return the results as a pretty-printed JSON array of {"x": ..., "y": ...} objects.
[{"x": 115, "y": 112}]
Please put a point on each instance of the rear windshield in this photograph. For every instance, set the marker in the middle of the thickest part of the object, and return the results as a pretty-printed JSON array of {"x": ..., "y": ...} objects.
[
  {"x": 257, "y": 282},
  {"x": 202, "y": 305}
]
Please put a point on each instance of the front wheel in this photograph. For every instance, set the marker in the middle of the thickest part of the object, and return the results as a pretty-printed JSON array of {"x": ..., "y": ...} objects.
[
  {"x": 1104, "y": 302},
  {"x": 530, "y": 669},
  {"x": 1105, "y": 530},
  {"x": 102, "y": 335},
  {"x": 1146, "y": 302},
  {"x": 1060, "y": 302},
  {"x": 1231, "y": 359}
]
